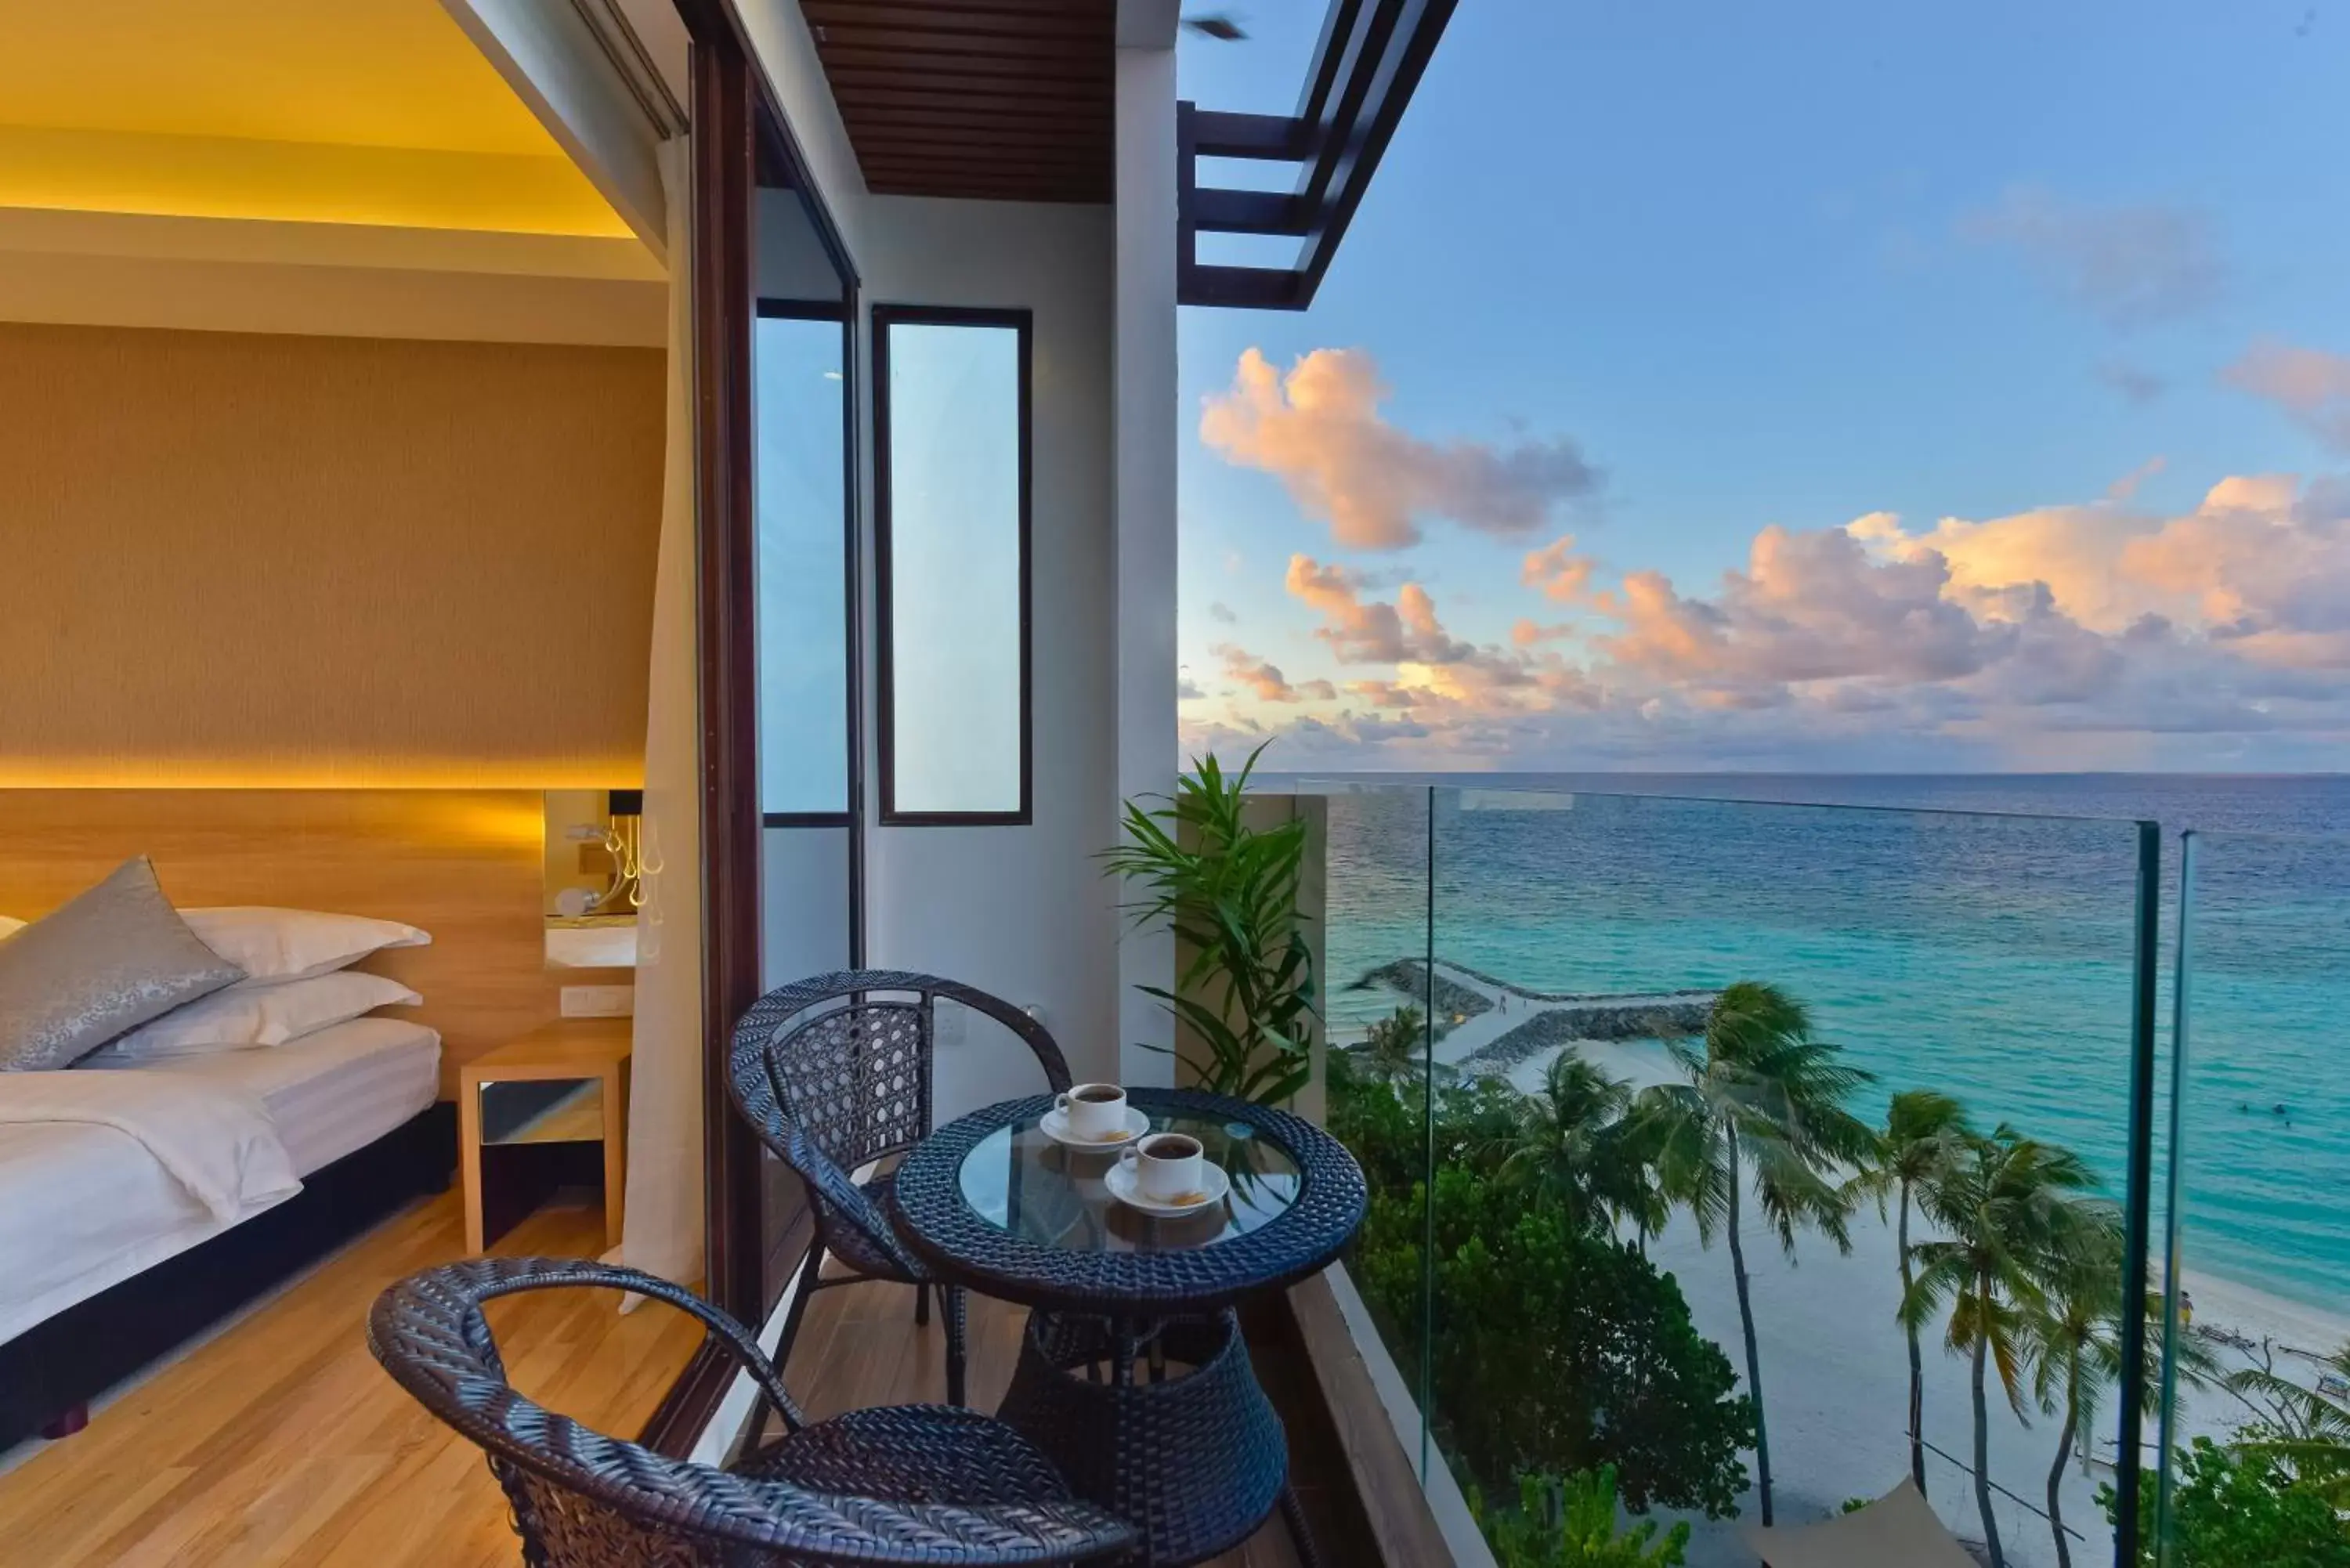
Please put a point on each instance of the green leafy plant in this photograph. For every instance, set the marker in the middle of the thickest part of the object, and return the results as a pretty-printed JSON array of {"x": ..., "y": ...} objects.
[
  {"x": 1571, "y": 1523},
  {"x": 2237, "y": 1506},
  {"x": 1555, "y": 1348},
  {"x": 1229, "y": 891}
]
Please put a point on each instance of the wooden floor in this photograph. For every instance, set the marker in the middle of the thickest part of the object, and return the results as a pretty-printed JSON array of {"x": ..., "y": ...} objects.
[{"x": 281, "y": 1442}]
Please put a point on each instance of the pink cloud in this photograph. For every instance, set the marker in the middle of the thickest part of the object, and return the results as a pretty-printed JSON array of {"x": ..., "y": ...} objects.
[
  {"x": 2097, "y": 633},
  {"x": 1319, "y": 430},
  {"x": 1265, "y": 680},
  {"x": 1557, "y": 571},
  {"x": 2310, "y": 384}
]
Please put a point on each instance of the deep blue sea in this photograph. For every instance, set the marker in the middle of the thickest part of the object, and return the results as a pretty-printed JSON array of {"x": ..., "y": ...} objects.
[{"x": 1970, "y": 933}]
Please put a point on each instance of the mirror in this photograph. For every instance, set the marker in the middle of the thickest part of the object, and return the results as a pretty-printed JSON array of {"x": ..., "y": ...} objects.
[{"x": 592, "y": 876}]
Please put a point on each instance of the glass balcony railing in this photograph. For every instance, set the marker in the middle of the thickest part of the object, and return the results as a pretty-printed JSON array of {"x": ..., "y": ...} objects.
[
  {"x": 1649, "y": 1091},
  {"x": 2256, "y": 1431}
]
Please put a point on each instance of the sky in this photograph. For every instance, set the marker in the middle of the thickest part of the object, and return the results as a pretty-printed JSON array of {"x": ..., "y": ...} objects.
[{"x": 1842, "y": 386}]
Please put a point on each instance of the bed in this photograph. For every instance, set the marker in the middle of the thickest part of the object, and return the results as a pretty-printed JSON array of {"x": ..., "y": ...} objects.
[
  {"x": 94, "y": 1287},
  {"x": 356, "y": 1106}
]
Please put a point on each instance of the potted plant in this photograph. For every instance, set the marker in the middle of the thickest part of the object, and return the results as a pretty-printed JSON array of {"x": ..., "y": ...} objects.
[{"x": 1229, "y": 891}]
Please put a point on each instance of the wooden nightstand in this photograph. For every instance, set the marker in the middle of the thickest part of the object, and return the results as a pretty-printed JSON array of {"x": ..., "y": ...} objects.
[{"x": 565, "y": 1082}]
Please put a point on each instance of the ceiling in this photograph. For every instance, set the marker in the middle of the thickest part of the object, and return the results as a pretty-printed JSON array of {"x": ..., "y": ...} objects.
[
  {"x": 999, "y": 100},
  {"x": 365, "y": 111}
]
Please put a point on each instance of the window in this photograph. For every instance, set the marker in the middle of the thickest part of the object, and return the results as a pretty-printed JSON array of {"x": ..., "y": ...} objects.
[
  {"x": 951, "y": 455},
  {"x": 799, "y": 353}
]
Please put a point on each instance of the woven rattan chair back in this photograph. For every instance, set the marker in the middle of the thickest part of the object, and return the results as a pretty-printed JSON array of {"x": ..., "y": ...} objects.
[
  {"x": 583, "y": 1499},
  {"x": 834, "y": 1073}
]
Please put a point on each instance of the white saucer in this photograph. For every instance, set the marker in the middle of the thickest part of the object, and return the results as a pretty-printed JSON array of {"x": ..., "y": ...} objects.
[
  {"x": 1214, "y": 1182},
  {"x": 1056, "y": 1126}
]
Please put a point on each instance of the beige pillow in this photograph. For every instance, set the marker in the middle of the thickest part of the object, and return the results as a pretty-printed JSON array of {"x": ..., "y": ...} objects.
[{"x": 108, "y": 961}]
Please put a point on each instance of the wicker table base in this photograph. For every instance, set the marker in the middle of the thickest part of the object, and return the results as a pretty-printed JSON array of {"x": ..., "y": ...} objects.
[{"x": 1192, "y": 1454}]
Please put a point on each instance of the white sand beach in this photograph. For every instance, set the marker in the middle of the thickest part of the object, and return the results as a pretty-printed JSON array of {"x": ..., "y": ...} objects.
[
  {"x": 1834, "y": 1365},
  {"x": 1835, "y": 1373}
]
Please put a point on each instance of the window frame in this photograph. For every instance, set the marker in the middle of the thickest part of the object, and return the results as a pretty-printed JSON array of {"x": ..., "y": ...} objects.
[
  {"x": 845, "y": 314},
  {"x": 1022, "y": 322}
]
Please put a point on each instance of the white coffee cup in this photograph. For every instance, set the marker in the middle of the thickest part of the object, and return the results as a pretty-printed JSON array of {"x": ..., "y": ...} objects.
[
  {"x": 1166, "y": 1165},
  {"x": 1094, "y": 1111}
]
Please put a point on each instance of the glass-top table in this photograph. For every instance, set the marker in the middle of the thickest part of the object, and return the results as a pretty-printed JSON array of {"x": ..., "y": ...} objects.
[
  {"x": 1021, "y": 1179},
  {"x": 993, "y": 1203}
]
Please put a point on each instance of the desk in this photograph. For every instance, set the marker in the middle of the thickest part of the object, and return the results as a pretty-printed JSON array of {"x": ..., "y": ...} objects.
[{"x": 565, "y": 1082}]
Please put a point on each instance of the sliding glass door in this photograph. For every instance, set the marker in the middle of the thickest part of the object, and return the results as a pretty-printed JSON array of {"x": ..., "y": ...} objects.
[{"x": 811, "y": 778}]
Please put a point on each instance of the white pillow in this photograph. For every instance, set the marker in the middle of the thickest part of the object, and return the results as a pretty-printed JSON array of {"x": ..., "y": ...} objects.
[
  {"x": 274, "y": 945},
  {"x": 240, "y": 1017}
]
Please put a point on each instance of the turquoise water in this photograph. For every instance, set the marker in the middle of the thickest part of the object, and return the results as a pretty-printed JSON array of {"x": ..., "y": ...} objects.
[{"x": 1974, "y": 935}]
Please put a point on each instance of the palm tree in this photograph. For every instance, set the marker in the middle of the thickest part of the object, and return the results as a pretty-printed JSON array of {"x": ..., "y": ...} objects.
[
  {"x": 1569, "y": 1142},
  {"x": 1764, "y": 1105},
  {"x": 1925, "y": 1130},
  {"x": 2074, "y": 1331},
  {"x": 1395, "y": 1051},
  {"x": 2306, "y": 1427},
  {"x": 2003, "y": 1208}
]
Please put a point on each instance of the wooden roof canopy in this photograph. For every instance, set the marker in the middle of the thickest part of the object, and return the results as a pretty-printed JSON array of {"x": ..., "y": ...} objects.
[
  {"x": 999, "y": 100},
  {"x": 1012, "y": 101}
]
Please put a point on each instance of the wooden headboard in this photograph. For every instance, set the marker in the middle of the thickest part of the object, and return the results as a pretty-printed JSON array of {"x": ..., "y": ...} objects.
[{"x": 464, "y": 864}]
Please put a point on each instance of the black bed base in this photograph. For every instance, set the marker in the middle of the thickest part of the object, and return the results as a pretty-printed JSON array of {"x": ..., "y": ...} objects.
[{"x": 49, "y": 1373}]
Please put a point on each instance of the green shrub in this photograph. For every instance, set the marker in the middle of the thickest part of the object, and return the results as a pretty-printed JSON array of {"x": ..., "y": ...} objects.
[{"x": 1571, "y": 1523}]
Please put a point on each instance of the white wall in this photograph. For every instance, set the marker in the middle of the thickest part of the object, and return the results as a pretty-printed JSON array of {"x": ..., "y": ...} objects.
[
  {"x": 1025, "y": 912},
  {"x": 1020, "y": 911}
]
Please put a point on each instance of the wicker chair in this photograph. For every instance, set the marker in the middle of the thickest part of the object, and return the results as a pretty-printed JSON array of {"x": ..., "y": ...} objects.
[
  {"x": 831, "y": 1088},
  {"x": 908, "y": 1484}
]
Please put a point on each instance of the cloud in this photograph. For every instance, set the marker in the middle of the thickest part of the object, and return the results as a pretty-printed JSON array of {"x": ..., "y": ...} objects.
[
  {"x": 1809, "y": 607},
  {"x": 1221, "y": 613},
  {"x": 2130, "y": 265},
  {"x": 2085, "y": 634},
  {"x": 1188, "y": 690},
  {"x": 1265, "y": 680},
  {"x": 1367, "y": 631},
  {"x": 2310, "y": 384},
  {"x": 1557, "y": 571},
  {"x": 2136, "y": 387},
  {"x": 1319, "y": 430}
]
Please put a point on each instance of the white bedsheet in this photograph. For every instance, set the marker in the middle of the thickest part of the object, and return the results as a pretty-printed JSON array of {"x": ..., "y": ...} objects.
[
  {"x": 335, "y": 1091},
  {"x": 216, "y": 1140},
  {"x": 83, "y": 1207}
]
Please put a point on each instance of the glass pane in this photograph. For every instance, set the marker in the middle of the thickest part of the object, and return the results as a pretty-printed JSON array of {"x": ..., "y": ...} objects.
[
  {"x": 1375, "y": 1009},
  {"x": 1671, "y": 1037},
  {"x": 801, "y": 411},
  {"x": 2259, "y": 1161},
  {"x": 957, "y": 456},
  {"x": 808, "y": 576}
]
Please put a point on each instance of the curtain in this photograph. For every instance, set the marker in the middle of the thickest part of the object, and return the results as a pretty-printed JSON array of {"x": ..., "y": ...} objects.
[{"x": 662, "y": 1232}]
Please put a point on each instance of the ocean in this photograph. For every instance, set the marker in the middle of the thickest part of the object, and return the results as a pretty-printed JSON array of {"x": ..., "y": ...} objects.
[{"x": 1973, "y": 934}]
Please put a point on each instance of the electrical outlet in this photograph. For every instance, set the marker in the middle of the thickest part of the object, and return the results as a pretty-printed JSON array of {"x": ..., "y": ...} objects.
[{"x": 599, "y": 1000}]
